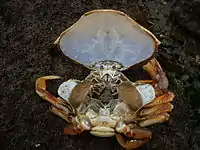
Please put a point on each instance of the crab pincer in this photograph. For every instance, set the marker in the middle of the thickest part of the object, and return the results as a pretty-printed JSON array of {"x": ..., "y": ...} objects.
[{"x": 131, "y": 136}]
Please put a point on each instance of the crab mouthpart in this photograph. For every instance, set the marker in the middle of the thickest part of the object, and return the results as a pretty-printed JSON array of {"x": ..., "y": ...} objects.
[{"x": 102, "y": 131}]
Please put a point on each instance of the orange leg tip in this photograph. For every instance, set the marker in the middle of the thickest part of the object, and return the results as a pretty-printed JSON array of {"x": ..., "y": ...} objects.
[
  {"x": 69, "y": 131},
  {"x": 171, "y": 94},
  {"x": 73, "y": 130}
]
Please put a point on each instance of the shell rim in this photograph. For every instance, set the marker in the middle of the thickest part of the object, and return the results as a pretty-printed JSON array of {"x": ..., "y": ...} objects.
[{"x": 156, "y": 41}]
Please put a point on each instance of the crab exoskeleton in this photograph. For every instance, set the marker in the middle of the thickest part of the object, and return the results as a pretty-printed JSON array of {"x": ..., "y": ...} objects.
[{"x": 107, "y": 103}]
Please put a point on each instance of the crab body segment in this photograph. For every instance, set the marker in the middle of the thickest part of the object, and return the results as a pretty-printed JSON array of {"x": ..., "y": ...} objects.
[{"x": 107, "y": 103}]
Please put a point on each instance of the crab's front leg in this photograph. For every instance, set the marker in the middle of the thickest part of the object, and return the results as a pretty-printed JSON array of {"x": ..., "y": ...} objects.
[
  {"x": 40, "y": 87},
  {"x": 130, "y": 136},
  {"x": 61, "y": 106},
  {"x": 159, "y": 78},
  {"x": 42, "y": 92}
]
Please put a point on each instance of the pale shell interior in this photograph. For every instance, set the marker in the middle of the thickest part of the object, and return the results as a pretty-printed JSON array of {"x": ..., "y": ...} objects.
[
  {"x": 65, "y": 89},
  {"x": 107, "y": 35},
  {"x": 147, "y": 93}
]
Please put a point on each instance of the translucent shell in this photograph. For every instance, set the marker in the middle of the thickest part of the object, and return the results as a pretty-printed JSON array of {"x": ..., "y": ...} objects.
[{"x": 107, "y": 35}]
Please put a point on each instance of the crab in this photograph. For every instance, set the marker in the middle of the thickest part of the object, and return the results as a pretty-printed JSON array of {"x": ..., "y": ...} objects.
[{"x": 106, "y": 103}]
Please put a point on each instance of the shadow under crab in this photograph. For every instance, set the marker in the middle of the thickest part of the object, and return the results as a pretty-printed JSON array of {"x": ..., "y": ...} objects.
[{"x": 107, "y": 103}]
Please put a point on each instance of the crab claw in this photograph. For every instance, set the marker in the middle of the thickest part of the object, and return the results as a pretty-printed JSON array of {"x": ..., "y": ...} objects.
[
  {"x": 134, "y": 136},
  {"x": 132, "y": 131},
  {"x": 130, "y": 143}
]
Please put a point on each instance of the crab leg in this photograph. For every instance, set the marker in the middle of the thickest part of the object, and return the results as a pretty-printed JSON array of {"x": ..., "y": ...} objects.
[
  {"x": 60, "y": 107},
  {"x": 130, "y": 144},
  {"x": 132, "y": 131},
  {"x": 62, "y": 114},
  {"x": 159, "y": 79},
  {"x": 157, "y": 109},
  {"x": 41, "y": 89},
  {"x": 162, "y": 99},
  {"x": 136, "y": 135},
  {"x": 153, "y": 119}
]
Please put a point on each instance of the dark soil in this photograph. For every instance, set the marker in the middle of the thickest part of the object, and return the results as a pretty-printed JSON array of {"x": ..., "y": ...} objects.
[{"x": 28, "y": 29}]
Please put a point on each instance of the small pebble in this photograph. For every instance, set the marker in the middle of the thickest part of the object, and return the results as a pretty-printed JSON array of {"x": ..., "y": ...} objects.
[
  {"x": 161, "y": 35},
  {"x": 37, "y": 145}
]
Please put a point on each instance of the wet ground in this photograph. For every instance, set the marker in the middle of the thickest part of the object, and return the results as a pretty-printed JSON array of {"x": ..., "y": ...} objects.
[{"x": 28, "y": 30}]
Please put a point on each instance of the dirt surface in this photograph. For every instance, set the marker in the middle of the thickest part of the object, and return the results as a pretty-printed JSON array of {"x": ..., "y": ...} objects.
[{"x": 28, "y": 29}]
